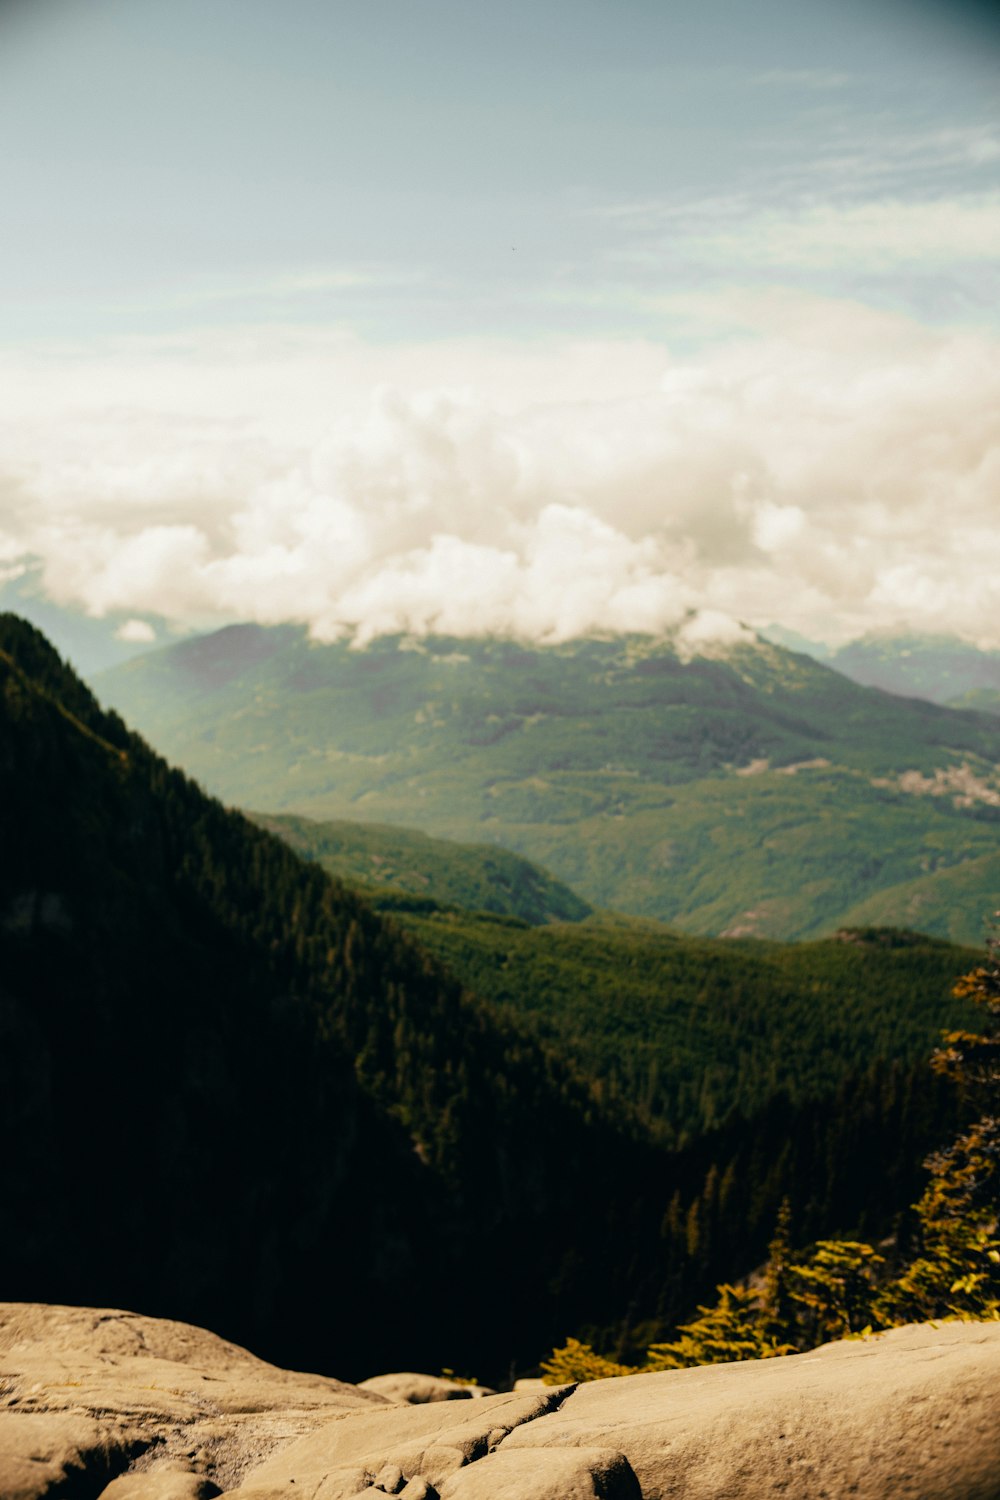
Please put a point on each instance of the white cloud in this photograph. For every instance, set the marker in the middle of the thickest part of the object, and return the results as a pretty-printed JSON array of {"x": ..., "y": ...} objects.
[
  {"x": 137, "y": 632},
  {"x": 840, "y": 233},
  {"x": 828, "y": 466},
  {"x": 879, "y": 234}
]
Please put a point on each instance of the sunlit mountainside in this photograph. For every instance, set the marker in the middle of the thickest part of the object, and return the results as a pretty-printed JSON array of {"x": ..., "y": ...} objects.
[
  {"x": 747, "y": 790},
  {"x": 478, "y": 877}
]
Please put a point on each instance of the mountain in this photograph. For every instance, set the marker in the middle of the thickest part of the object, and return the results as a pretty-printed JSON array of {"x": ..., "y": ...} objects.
[
  {"x": 940, "y": 668},
  {"x": 237, "y": 1090},
  {"x": 750, "y": 791},
  {"x": 478, "y": 877}
]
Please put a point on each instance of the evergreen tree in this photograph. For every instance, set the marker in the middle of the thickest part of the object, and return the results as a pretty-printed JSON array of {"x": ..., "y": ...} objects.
[
  {"x": 778, "y": 1312},
  {"x": 837, "y": 1285},
  {"x": 957, "y": 1268},
  {"x": 731, "y": 1330}
]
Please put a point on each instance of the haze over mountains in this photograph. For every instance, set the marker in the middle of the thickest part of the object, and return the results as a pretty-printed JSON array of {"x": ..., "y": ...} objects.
[
  {"x": 746, "y": 790},
  {"x": 940, "y": 668}
]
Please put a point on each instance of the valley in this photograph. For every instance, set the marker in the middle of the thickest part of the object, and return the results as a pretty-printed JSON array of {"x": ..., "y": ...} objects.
[{"x": 378, "y": 1092}]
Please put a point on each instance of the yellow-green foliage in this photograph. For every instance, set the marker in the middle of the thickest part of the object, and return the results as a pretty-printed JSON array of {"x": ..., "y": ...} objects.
[
  {"x": 447, "y": 1374},
  {"x": 731, "y": 1330},
  {"x": 957, "y": 1271},
  {"x": 837, "y": 1284},
  {"x": 579, "y": 1362}
]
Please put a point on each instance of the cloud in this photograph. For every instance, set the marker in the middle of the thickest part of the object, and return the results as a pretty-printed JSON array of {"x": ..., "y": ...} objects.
[
  {"x": 136, "y": 632},
  {"x": 878, "y": 234},
  {"x": 829, "y": 466},
  {"x": 852, "y": 235}
]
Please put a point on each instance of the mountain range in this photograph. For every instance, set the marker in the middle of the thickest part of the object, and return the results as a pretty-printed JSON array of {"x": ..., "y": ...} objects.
[
  {"x": 745, "y": 791},
  {"x": 266, "y": 1099},
  {"x": 941, "y": 668}
]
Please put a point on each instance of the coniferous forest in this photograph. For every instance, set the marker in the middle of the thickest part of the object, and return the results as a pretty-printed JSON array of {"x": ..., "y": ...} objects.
[{"x": 237, "y": 1093}]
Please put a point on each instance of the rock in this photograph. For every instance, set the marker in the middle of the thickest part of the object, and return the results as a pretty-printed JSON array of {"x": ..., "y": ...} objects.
[
  {"x": 390, "y": 1479},
  {"x": 912, "y": 1412},
  {"x": 416, "y": 1389},
  {"x": 545, "y": 1474},
  {"x": 41, "y": 1450},
  {"x": 110, "y": 1405},
  {"x": 164, "y": 1482},
  {"x": 427, "y": 1442},
  {"x": 91, "y": 1393}
]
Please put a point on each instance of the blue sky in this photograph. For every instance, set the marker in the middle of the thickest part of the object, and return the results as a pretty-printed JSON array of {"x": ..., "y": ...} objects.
[
  {"x": 454, "y": 280},
  {"x": 455, "y": 168}
]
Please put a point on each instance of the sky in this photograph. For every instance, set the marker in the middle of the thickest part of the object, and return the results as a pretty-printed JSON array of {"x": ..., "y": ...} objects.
[{"x": 545, "y": 318}]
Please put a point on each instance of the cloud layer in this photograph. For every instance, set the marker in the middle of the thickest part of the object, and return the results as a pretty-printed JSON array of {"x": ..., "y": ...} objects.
[{"x": 832, "y": 468}]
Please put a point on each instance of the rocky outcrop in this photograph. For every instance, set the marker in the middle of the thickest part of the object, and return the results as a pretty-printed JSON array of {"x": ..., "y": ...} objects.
[
  {"x": 107, "y": 1404},
  {"x": 417, "y": 1389},
  {"x": 89, "y": 1394}
]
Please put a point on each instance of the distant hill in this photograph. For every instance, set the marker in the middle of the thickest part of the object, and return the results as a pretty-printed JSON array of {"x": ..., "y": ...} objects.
[
  {"x": 751, "y": 791},
  {"x": 478, "y": 877},
  {"x": 937, "y": 903},
  {"x": 794, "y": 640},
  {"x": 940, "y": 668}
]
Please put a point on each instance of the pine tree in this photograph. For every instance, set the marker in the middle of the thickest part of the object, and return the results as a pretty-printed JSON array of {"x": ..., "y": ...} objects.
[
  {"x": 575, "y": 1361},
  {"x": 838, "y": 1285},
  {"x": 957, "y": 1270},
  {"x": 731, "y": 1330},
  {"x": 778, "y": 1313}
]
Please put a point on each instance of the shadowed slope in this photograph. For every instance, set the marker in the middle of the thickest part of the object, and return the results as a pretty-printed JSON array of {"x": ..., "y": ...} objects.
[{"x": 239, "y": 1092}]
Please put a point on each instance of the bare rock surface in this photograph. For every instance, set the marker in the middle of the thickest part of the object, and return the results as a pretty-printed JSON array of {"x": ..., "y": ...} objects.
[
  {"x": 88, "y": 1393},
  {"x": 912, "y": 1412},
  {"x": 417, "y": 1389},
  {"x": 110, "y": 1406},
  {"x": 430, "y": 1442}
]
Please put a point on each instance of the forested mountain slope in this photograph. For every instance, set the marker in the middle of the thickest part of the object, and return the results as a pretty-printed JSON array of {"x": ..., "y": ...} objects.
[
  {"x": 235, "y": 1090},
  {"x": 478, "y": 877},
  {"x": 687, "y": 1030},
  {"x": 751, "y": 791}
]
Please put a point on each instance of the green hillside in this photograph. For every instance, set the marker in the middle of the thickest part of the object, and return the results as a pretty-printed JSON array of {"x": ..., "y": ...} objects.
[
  {"x": 937, "y": 903},
  {"x": 982, "y": 699},
  {"x": 688, "y": 1030},
  {"x": 478, "y": 877},
  {"x": 756, "y": 792}
]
